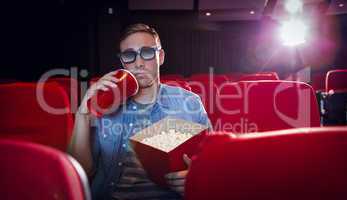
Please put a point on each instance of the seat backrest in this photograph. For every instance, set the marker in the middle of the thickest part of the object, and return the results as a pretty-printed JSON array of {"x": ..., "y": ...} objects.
[
  {"x": 318, "y": 81},
  {"x": 71, "y": 87},
  {"x": 207, "y": 92},
  {"x": 301, "y": 164},
  {"x": 177, "y": 83},
  {"x": 336, "y": 80},
  {"x": 32, "y": 171},
  {"x": 199, "y": 76},
  {"x": 27, "y": 115},
  {"x": 252, "y": 106},
  {"x": 220, "y": 79},
  {"x": 234, "y": 76},
  {"x": 259, "y": 76}
]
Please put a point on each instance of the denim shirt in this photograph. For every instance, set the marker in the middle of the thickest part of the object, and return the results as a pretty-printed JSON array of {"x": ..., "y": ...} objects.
[{"x": 110, "y": 133}]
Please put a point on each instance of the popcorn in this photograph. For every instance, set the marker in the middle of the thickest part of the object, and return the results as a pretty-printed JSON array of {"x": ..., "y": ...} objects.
[
  {"x": 167, "y": 141},
  {"x": 160, "y": 146}
]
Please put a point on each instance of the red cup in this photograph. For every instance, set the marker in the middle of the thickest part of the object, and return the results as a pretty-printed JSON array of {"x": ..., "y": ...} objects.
[{"x": 106, "y": 102}]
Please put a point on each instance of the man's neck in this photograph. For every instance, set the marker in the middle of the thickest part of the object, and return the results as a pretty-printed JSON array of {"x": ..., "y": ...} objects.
[{"x": 147, "y": 95}]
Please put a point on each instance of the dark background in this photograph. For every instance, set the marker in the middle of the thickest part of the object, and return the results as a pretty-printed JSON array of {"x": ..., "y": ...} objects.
[{"x": 42, "y": 35}]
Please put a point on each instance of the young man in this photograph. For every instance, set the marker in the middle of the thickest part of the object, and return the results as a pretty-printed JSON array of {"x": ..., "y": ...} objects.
[{"x": 105, "y": 153}]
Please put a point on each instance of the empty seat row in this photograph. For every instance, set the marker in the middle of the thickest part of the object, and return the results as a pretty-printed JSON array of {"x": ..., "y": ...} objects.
[
  {"x": 331, "y": 81},
  {"x": 241, "y": 107},
  {"x": 251, "y": 106},
  {"x": 221, "y": 78}
]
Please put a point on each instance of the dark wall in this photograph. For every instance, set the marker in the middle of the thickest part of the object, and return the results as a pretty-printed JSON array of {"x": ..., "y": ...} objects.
[
  {"x": 61, "y": 34},
  {"x": 191, "y": 46}
]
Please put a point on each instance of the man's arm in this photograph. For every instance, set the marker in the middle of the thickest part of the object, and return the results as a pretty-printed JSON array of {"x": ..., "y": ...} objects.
[{"x": 80, "y": 146}]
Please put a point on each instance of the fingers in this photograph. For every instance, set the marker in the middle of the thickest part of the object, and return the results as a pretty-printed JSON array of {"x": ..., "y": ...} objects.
[
  {"x": 110, "y": 78},
  {"x": 106, "y": 83},
  {"x": 187, "y": 160},
  {"x": 177, "y": 175},
  {"x": 102, "y": 87},
  {"x": 176, "y": 182},
  {"x": 102, "y": 84},
  {"x": 179, "y": 189}
]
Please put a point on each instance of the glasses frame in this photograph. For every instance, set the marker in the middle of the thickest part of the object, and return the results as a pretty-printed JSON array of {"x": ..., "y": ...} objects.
[{"x": 138, "y": 52}]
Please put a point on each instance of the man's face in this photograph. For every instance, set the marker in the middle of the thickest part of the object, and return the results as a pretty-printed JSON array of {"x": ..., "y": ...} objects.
[{"x": 145, "y": 71}]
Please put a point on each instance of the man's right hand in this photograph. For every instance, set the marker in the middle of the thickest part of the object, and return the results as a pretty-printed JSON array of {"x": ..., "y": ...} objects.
[{"x": 104, "y": 83}]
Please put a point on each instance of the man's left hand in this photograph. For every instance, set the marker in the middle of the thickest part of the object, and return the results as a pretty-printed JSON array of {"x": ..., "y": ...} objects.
[{"x": 176, "y": 180}]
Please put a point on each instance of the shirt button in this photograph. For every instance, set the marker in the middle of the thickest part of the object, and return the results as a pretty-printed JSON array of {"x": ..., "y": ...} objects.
[
  {"x": 134, "y": 107},
  {"x": 105, "y": 135},
  {"x": 120, "y": 164},
  {"x": 124, "y": 145},
  {"x": 131, "y": 124},
  {"x": 112, "y": 184}
]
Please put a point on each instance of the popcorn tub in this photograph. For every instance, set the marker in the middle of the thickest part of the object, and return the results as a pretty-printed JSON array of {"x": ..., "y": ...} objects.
[{"x": 160, "y": 147}]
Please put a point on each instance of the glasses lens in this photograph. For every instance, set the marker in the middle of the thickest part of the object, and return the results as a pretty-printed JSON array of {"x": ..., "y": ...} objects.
[
  {"x": 128, "y": 56},
  {"x": 147, "y": 53}
]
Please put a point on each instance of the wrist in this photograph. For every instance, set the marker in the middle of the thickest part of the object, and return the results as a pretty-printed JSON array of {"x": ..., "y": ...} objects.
[{"x": 83, "y": 108}]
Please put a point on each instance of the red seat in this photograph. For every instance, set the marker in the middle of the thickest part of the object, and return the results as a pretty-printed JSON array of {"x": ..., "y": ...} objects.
[
  {"x": 32, "y": 171},
  {"x": 201, "y": 76},
  {"x": 300, "y": 164},
  {"x": 259, "y": 76},
  {"x": 318, "y": 81},
  {"x": 26, "y": 115},
  {"x": 235, "y": 76},
  {"x": 177, "y": 83},
  {"x": 336, "y": 80},
  {"x": 253, "y": 106},
  {"x": 207, "y": 92},
  {"x": 71, "y": 87}
]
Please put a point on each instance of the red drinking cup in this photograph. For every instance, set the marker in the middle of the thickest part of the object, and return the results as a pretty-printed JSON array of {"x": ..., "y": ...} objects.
[{"x": 106, "y": 102}]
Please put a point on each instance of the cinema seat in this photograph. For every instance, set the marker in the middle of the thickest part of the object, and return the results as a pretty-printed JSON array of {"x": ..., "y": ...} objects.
[
  {"x": 318, "y": 81},
  {"x": 177, "y": 83},
  {"x": 256, "y": 106},
  {"x": 300, "y": 164},
  {"x": 259, "y": 76},
  {"x": 234, "y": 76},
  {"x": 336, "y": 80},
  {"x": 71, "y": 87},
  {"x": 32, "y": 171},
  {"x": 207, "y": 92},
  {"x": 25, "y": 115}
]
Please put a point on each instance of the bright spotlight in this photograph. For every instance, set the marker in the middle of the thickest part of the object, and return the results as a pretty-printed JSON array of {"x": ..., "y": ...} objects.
[
  {"x": 293, "y": 6},
  {"x": 293, "y": 32}
]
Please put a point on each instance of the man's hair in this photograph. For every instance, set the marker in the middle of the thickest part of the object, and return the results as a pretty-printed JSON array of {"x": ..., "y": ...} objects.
[{"x": 136, "y": 28}]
